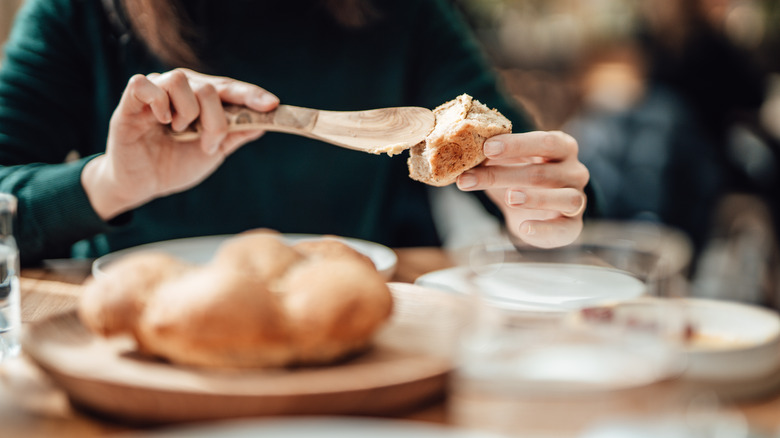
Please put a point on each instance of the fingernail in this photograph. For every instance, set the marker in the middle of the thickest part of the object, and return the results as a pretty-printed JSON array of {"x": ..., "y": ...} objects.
[
  {"x": 467, "y": 181},
  {"x": 265, "y": 100},
  {"x": 516, "y": 198},
  {"x": 493, "y": 148},
  {"x": 529, "y": 230},
  {"x": 180, "y": 126}
]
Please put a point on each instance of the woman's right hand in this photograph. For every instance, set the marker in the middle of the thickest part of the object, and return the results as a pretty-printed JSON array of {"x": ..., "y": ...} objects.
[{"x": 143, "y": 161}]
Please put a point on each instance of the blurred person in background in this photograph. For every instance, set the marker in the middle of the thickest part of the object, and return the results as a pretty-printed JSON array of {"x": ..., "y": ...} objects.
[
  {"x": 657, "y": 112},
  {"x": 723, "y": 84},
  {"x": 98, "y": 81}
]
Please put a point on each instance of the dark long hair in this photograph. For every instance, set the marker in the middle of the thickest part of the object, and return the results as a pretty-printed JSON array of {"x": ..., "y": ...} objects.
[{"x": 170, "y": 35}]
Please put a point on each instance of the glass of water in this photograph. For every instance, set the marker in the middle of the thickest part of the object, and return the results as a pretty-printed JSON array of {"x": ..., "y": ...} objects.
[
  {"x": 10, "y": 310},
  {"x": 524, "y": 371},
  {"x": 536, "y": 380}
]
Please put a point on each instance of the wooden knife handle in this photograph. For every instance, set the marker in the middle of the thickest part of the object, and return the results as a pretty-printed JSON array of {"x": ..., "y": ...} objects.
[{"x": 285, "y": 118}]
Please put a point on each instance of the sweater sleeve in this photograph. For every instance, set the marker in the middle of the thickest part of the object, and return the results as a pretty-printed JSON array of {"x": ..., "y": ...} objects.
[{"x": 45, "y": 105}]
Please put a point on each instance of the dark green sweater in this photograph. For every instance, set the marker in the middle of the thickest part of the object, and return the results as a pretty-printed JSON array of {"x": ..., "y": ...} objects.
[{"x": 66, "y": 65}]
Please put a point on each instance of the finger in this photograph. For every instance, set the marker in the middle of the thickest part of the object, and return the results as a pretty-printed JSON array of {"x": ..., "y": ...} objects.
[
  {"x": 235, "y": 140},
  {"x": 214, "y": 126},
  {"x": 249, "y": 95},
  {"x": 141, "y": 94},
  {"x": 183, "y": 100},
  {"x": 518, "y": 148},
  {"x": 550, "y": 233},
  {"x": 549, "y": 175},
  {"x": 236, "y": 92},
  {"x": 568, "y": 201}
]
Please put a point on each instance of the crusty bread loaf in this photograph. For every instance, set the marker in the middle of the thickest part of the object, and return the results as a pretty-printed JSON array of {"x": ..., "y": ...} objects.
[
  {"x": 455, "y": 144},
  {"x": 259, "y": 303}
]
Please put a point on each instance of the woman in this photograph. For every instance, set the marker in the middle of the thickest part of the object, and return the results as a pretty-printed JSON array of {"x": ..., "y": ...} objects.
[{"x": 82, "y": 75}]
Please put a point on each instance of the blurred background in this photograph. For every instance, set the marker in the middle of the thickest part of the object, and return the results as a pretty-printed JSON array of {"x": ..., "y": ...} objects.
[
  {"x": 676, "y": 108},
  {"x": 675, "y": 105}
]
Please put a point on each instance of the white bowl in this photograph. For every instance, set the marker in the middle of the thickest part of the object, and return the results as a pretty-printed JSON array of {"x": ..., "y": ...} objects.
[{"x": 719, "y": 340}]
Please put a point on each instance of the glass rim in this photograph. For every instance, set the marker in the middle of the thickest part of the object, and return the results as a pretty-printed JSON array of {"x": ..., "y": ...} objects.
[{"x": 8, "y": 201}]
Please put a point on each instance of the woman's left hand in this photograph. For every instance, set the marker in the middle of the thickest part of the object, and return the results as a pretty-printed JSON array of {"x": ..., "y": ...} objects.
[{"x": 537, "y": 181}]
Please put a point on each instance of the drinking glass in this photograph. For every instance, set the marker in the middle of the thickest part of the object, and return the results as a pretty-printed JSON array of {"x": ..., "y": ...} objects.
[
  {"x": 525, "y": 371},
  {"x": 10, "y": 311},
  {"x": 532, "y": 379}
]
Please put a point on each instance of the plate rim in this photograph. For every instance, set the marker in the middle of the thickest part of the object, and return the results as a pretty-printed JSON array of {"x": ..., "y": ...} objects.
[
  {"x": 531, "y": 305},
  {"x": 387, "y": 252}
]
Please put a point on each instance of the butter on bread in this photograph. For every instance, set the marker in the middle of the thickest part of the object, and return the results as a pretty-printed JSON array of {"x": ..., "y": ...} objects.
[{"x": 455, "y": 144}]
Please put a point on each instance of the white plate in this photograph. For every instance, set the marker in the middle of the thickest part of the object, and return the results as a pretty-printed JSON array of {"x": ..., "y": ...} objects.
[
  {"x": 317, "y": 427},
  {"x": 550, "y": 287},
  {"x": 201, "y": 249}
]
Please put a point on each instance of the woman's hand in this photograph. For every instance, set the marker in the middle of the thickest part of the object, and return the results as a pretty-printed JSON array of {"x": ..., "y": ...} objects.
[
  {"x": 143, "y": 162},
  {"x": 537, "y": 181}
]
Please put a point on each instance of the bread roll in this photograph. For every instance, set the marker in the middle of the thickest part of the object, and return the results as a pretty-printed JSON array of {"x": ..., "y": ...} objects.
[
  {"x": 216, "y": 317},
  {"x": 334, "y": 306},
  {"x": 455, "y": 144},
  {"x": 261, "y": 254},
  {"x": 112, "y": 301},
  {"x": 329, "y": 247}
]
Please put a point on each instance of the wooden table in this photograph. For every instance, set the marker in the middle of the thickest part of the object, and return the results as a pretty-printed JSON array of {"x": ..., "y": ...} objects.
[{"x": 31, "y": 406}]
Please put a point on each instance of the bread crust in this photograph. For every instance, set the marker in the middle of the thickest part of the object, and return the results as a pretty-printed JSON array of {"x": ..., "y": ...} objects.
[
  {"x": 216, "y": 317},
  {"x": 112, "y": 302},
  {"x": 335, "y": 305},
  {"x": 329, "y": 247},
  {"x": 455, "y": 144},
  {"x": 262, "y": 254}
]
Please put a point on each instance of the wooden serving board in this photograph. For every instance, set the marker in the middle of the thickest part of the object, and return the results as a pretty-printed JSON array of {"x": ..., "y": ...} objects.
[{"x": 408, "y": 365}]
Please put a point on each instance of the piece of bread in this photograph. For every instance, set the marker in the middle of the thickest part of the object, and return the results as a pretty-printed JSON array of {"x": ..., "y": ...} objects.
[
  {"x": 455, "y": 144},
  {"x": 258, "y": 303}
]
